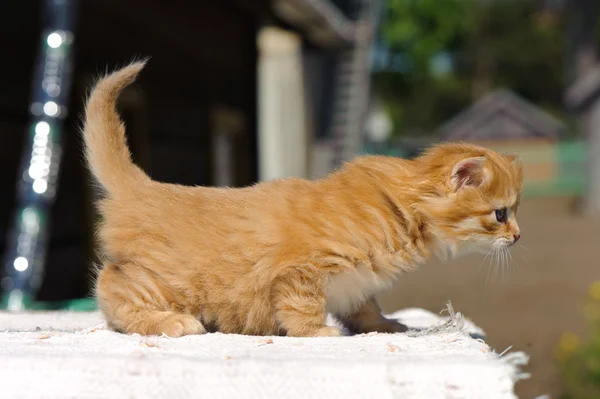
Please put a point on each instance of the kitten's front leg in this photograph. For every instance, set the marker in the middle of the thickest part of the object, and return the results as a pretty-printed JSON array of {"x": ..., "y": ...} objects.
[
  {"x": 368, "y": 318},
  {"x": 300, "y": 304}
]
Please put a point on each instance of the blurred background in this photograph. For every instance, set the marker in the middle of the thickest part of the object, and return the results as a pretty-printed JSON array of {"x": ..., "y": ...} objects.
[{"x": 240, "y": 91}]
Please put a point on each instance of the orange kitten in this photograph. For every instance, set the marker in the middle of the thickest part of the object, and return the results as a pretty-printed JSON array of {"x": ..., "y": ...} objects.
[{"x": 274, "y": 258}]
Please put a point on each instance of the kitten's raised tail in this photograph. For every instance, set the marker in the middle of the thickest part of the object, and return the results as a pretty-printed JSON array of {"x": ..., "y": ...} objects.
[{"x": 104, "y": 134}]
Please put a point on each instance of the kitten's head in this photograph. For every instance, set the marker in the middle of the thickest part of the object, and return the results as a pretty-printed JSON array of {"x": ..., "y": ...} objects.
[{"x": 477, "y": 193}]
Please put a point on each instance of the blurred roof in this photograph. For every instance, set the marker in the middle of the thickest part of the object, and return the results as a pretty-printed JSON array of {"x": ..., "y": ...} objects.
[{"x": 501, "y": 115}]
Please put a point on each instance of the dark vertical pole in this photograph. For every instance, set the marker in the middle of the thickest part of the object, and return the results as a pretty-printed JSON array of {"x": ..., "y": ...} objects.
[
  {"x": 586, "y": 52},
  {"x": 26, "y": 249},
  {"x": 582, "y": 57}
]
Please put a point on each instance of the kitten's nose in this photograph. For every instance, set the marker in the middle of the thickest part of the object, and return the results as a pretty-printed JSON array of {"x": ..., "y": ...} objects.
[{"x": 516, "y": 237}]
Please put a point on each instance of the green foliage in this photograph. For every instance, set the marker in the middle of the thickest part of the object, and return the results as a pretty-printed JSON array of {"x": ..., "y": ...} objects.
[
  {"x": 425, "y": 27},
  {"x": 580, "y": 363},
  {"x": 510, "y": 43}
]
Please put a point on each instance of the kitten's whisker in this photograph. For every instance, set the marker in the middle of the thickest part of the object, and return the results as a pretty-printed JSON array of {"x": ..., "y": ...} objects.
[
  {"x": 502, "y": 270},
  {"x": 499, "y": 265},
  {"x": 524, "y": 256},
  {"x": 502, "y": 263},
  {"x": 525, "y": 248},
  {"x": 492, "y": 251},
  {"x": 526, "y": 261},
  {"x": 481, "y": 264},
  {"x": 507, "y": 262},
  {"x": 512, "y": 260},
  {"x": 496, "y": 263}
]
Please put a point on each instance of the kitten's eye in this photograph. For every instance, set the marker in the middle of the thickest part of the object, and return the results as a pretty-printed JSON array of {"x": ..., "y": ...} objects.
[{"x": 501, "y": 215}]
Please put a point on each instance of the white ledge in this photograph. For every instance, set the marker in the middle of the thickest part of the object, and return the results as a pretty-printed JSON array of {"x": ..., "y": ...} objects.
[{"x": 64, "y": 354}]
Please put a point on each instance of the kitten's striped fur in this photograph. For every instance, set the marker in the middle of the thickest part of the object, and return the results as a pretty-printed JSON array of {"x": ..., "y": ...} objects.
[{"x": 275, "y": 257}]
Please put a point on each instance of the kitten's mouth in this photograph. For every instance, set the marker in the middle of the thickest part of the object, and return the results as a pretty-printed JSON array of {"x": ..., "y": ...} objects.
[{"x": 504, "y": 244}]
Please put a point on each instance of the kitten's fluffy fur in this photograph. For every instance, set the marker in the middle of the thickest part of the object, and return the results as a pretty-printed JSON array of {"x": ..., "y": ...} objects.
[{"x": 275, "y": 257}]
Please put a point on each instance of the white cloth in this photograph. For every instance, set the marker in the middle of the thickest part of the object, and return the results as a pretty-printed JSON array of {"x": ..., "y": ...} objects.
[{"x": 73, "y": 355}]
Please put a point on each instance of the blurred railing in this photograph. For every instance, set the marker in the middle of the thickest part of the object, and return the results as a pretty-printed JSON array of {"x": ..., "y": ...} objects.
[{"x": 551, "y": 169}]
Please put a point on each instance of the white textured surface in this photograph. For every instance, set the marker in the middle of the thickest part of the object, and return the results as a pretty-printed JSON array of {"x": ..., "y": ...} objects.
[{"x": 72, "y": 355}]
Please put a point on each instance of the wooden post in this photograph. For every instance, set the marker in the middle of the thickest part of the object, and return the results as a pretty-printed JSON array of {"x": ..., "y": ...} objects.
[
  {"x": 592, "y": 128},
  {"x": 283, "y": 141}
]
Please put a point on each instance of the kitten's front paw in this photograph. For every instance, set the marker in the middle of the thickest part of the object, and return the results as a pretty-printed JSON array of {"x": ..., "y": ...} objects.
[
  {"x": 181, "y": 324},
  {"x": 389, "y": 326},
  {"x": 328, "y": 331}
]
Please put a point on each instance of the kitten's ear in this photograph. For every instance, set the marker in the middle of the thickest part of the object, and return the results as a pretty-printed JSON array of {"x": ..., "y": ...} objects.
[
  {"x": 514, "y": 159},
  {"x": 468, "y": 172}
]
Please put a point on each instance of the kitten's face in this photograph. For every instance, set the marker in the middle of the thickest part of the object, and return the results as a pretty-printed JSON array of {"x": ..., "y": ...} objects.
[
  {"x": 491, "y": 223},
  {"x": 480, "y": 212}
]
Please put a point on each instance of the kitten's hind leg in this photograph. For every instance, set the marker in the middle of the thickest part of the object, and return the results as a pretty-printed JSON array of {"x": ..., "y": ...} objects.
[
  {"x": 300, "y": 304},
  {"x": 368, "y": 318},
  {"x": 134, "y": 301}
]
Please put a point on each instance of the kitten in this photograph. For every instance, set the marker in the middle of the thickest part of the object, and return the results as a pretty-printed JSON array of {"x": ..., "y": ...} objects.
[{"x": 274, "y": 258}]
